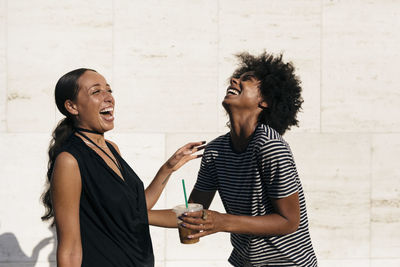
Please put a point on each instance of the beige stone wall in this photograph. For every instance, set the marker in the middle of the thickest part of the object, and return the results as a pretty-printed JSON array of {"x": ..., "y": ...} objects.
[{"x": 168, "y": 62}]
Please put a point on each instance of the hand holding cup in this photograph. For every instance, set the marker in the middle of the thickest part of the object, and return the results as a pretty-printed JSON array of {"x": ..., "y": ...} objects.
[
  {"x": 205, "y": 222},
  {"x": 184, "y": 232}
]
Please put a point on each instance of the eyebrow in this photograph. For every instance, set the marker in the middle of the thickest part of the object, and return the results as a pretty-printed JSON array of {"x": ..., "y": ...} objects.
[
  {"x": 97, "y": 84},
  {"x": 250, "y": 74}
]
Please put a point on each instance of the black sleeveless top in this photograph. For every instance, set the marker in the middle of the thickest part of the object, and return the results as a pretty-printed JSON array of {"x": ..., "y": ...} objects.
[{"x": 113, "y": 215}]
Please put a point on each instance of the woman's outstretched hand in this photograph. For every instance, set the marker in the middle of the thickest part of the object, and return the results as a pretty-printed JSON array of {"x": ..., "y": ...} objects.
[
  {"x": 184, "y": 154},
  {"x": 177, "y": 160}
]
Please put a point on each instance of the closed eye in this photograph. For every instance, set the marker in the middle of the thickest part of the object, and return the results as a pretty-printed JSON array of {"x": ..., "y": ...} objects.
[
  {"x": 248, "y": 77},
  {"x": 96, "y": 91}
]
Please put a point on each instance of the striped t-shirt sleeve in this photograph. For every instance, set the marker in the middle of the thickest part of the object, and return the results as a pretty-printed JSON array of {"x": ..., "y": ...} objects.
[
  {"x": 206, "y": 181},
  {"x": 278, "y": 169}
]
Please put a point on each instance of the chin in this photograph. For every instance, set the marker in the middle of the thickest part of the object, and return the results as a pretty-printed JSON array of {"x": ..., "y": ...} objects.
[
  {"x": 110, "y": 128},
  {"x": 106, "y": 128},
  {"x": 226, "y": 105}
]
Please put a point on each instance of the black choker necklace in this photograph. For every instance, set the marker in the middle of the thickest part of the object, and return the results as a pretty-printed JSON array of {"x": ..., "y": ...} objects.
[
  {"x": 115, "y": 160},
  {"x": 87, "y": 131}
]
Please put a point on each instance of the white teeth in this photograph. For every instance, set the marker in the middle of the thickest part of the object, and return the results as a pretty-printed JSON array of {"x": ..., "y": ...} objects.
[
  {"x": 106, "y": 109},
  {"x": 233, "y": 91}
]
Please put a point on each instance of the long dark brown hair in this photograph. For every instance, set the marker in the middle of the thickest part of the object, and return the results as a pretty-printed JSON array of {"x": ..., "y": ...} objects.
[{"x": 67, "y": 88}]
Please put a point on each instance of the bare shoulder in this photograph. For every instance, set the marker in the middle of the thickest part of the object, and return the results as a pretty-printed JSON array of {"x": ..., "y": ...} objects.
[
  {"x": 65, "y": 159},
  {"x": 66, "y": 170},
  {"x": 114, "y": 145},
  {"x": 66, "y": 189}
]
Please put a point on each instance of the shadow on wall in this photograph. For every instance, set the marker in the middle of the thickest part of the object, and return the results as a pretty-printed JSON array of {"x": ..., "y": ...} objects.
[{"x": 12, "y": 254}]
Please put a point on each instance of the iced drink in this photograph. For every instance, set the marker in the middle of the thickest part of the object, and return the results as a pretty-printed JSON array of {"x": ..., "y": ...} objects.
[{"x": 185, "y": 232}]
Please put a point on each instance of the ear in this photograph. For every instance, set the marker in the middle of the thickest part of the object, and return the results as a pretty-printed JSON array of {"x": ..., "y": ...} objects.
[
  {"x": 71, "y": 107},
  {"x": 263, "y": 105}
]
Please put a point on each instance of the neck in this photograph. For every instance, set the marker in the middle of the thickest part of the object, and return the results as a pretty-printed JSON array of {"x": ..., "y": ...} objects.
[
  {"x": 242, "y": 127},
  {"x": 95, "y": 136},
  {"x": 83, "y": 129}
]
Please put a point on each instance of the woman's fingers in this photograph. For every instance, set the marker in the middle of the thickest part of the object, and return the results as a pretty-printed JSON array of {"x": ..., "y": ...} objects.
[
  {"x": 185, "y": 154},
  {"x": 180, "y": 162},
  {"x": 201, "y": 221},
  {"x": 198, "y": 227},
  {"x": 199, "y": 148},
  {"x": 194, "y": 144},
  {"x": 190, "y": 150},
  {"x": 195, "y": 219},
  {"x": 200, "y": 234},
  {"x": 203, "y": 229}
]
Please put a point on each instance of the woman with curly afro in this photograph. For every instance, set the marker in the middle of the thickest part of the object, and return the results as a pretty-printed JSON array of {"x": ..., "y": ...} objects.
[{"x": 254, "y": 172}]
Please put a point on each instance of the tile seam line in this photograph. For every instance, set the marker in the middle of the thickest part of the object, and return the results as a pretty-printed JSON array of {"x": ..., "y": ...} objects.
[
  {"x": 112, "y": 39},
  {"x": 320, "y": 64},
  {"x": 218, "y": 60},
  {"x": 371, "y": 140},
  {"x": 7, "y": 130}
]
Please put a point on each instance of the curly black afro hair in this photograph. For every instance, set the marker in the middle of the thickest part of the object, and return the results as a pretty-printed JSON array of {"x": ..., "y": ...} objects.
[{"x": 279, "y": 87}]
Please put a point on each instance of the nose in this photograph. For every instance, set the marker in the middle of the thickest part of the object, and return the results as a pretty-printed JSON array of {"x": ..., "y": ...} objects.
[
  {"x": 108, "y": 96},
  {"x": 234, "y": 81}
]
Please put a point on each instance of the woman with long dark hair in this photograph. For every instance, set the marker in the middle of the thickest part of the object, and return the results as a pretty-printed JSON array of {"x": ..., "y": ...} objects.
[{"x": 99, "y": 204}]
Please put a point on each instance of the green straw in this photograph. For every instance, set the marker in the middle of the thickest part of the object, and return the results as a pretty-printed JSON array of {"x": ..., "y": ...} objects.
[{"x": 184, "y": 192}]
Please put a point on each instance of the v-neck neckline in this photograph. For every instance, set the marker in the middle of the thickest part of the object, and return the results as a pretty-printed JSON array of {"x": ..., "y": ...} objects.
[{"x": 121, "y": 178}]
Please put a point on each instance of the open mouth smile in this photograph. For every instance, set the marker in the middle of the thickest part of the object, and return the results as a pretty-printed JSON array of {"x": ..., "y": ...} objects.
[
  {"x": 233, "y": 91},
  {"x": 107, "y": 113}
]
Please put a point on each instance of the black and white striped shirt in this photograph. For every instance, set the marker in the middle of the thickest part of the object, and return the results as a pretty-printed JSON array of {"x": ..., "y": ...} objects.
[{"x": 246, "y": 182}]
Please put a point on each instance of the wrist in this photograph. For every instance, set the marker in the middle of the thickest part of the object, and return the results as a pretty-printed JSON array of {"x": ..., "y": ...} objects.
[
  {"x": 227, "y": 222},
  {"x": 165, "y": 169}
]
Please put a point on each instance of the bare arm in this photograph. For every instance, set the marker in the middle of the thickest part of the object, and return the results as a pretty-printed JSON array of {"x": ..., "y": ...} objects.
[
  {"x": 157, "y": 185},
  {"x": 162, "y": 218},
  {"x": 167, "y": 218},
  {"x": 65, "y": 192},
  {"x": 284, "y": 220},
  {"x": 177, "y": 160}
]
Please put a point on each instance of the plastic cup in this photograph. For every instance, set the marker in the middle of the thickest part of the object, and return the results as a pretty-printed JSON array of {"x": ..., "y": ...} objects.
[{"x": 185, "y": 232}]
